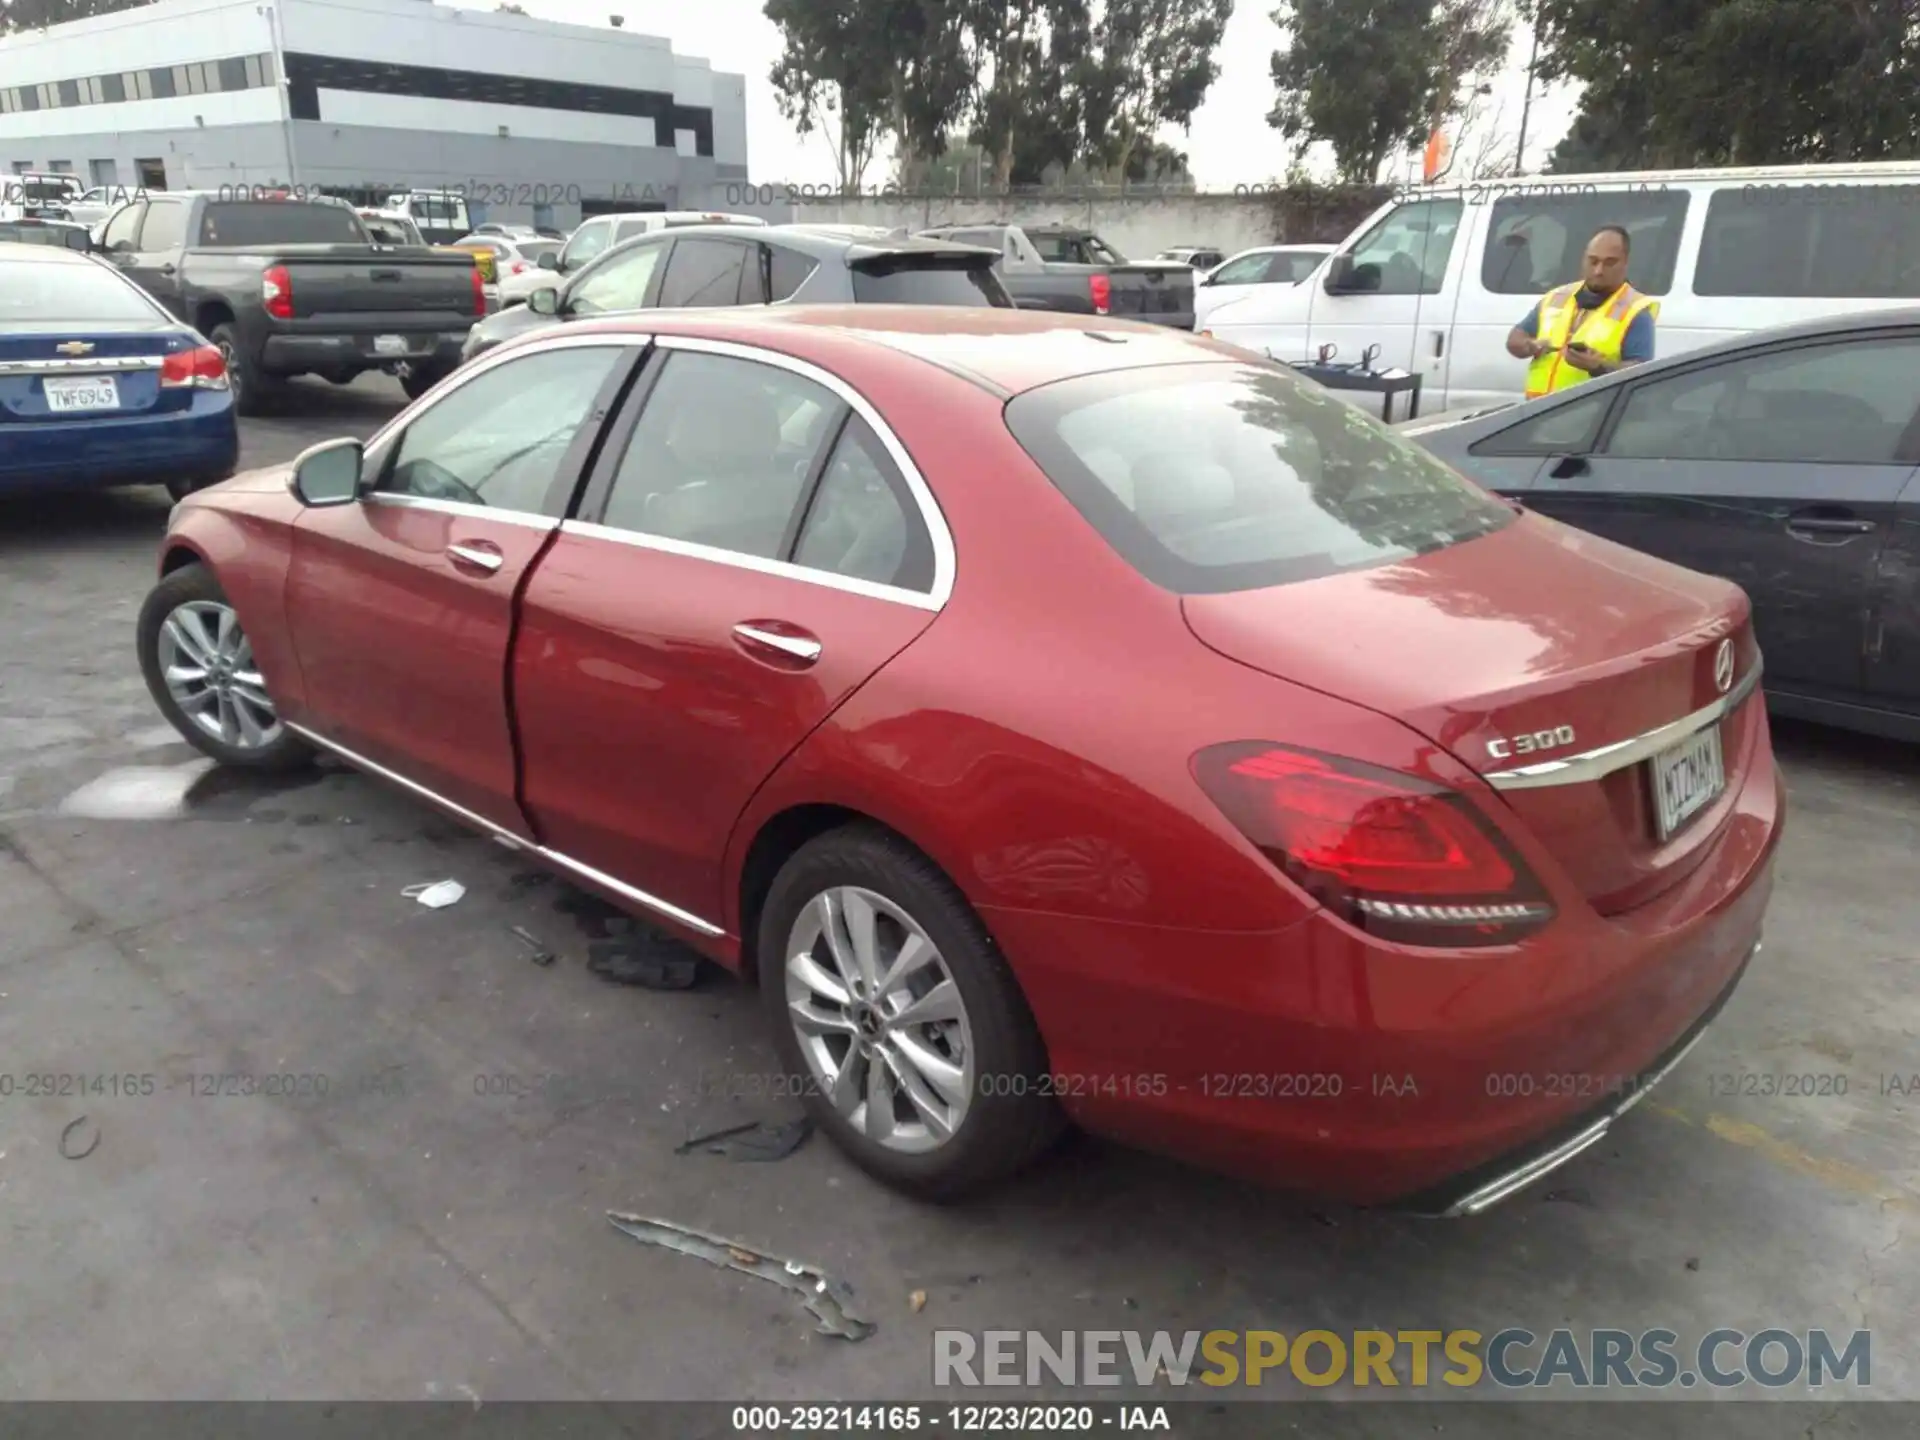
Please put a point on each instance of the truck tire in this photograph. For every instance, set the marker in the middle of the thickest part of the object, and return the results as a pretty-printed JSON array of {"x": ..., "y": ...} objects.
[
  {"x": 421, "y": 378},
  {"x": 254, "y": 391}
]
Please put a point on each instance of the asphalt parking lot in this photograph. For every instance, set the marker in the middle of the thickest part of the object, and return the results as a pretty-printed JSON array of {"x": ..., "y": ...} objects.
[{"x": 433, "y": 1224}]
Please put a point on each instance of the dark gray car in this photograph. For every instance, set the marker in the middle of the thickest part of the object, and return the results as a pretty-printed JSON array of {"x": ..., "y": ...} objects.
[
  {"x": 1787, "y": 461},
  {"x": 718, "y": 265}
]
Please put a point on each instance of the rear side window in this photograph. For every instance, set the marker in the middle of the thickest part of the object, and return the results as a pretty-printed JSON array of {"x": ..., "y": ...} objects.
[
  {"x": 166, "y": 226},
  {"x": 1535, "y": 242},
  {"x": 914, "y": 280},
  {"x": 274, "y": 222},
  {"x": 1211, "y": 478},
  {"x": 1292, "y": 269},
  {"x": 1850, "y": 242},
  {"x": 32, "y": 292},
  {"x": 787, "y": 271}
]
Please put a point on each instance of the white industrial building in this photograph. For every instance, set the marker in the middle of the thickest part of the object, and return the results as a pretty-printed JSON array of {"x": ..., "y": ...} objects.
[{"x": 533, "y": 121}]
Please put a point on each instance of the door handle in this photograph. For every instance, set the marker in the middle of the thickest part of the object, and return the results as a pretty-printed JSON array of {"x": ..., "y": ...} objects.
[
  {"x": 1439, "y": 344},
  {"x": 1829, "y": 525},
  {"x": 803, "y": 648},
  {"x": 483, "y": 557},
  {"x": 1570, "y": 467}
]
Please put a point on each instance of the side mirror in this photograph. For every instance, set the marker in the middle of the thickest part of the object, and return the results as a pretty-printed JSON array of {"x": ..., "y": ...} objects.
[
  {"x": 544, "y": 301},
  {"x": 329, "y": 473},
  {"x": 79, "y": 240},
  {"x": 1339, "y": 279},
  {"x": 548, "y": 261}
]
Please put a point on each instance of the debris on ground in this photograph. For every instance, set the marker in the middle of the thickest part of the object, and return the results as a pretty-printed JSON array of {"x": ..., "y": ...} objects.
[
  {"x": 541, "y": 955},
  {"x": 66, "y": 1137},
  {"x": 826, "y": 1299},
  {"x": 436, "y": 894},
  {"x": 644, "y": 958},
  {"x": 1693, "y": 1264},
  {"x": 918, "y": 1300},
  {"x": 754, "y": 1141}
]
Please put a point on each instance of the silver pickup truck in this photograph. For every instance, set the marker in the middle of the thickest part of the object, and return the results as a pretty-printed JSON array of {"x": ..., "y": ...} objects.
[{"x": 1060, "y": 267}]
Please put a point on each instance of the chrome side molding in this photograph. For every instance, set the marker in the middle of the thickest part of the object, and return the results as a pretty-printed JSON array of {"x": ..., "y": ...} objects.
[
  {"x": 1600, "y": 763},
  {"x": 507, "y": 837}
]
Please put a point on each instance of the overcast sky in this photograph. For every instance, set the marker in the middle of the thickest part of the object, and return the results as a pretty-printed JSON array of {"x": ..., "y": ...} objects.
[{"x": 1230, "y": 143}]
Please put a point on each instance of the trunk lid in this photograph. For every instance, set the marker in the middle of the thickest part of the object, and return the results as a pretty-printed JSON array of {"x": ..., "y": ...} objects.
[
  {"x": 1151, "y": 289},
  {"x": 1535, "y": 630},
  {"x": 126, "y": 352}
]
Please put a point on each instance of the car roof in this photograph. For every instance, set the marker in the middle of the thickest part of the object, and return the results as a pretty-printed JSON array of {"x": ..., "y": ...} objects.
[
  {"x": 21, "y": 250},
  {"x": 821, "y": 242},
  {"x": 1004, "y": 351}
]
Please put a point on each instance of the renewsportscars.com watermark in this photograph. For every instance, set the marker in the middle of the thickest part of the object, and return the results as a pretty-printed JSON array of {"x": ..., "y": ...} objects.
[{"x": 1508, "y": 1359}]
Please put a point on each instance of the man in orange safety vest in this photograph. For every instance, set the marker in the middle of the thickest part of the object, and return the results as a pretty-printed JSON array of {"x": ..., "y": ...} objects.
[{"x": 1579, "y": 331}]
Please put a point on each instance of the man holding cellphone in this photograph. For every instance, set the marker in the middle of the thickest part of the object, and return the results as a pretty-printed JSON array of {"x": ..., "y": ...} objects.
[{"x": 1587, "y": 329}]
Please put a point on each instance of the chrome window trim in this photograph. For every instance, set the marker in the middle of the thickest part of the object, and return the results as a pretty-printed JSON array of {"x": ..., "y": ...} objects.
[
  {"x": 507, "y": 837},
  {"x": 1599, "y": 763},
  {"x": 781, "y": 568},
  {"x": 459, "y": 507},
  {"x": 931, "y": 516},
  {"x": 94, "y": 365}
]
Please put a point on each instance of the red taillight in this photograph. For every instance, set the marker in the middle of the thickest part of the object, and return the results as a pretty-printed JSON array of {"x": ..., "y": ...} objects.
[
  {"x": 1101, "y": 289},
  {"x": 479, "y": 291},
  {"x": 519, "y": 268},
  {"x": 1389, "y": 853},
  {"x": 202, "y": 368},
  {"x": 276, "y": 290}
]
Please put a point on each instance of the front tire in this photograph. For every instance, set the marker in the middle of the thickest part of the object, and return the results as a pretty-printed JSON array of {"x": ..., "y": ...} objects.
[
  {"x": 199, "y": 668},
  {"x": 899, "y": 1020}
]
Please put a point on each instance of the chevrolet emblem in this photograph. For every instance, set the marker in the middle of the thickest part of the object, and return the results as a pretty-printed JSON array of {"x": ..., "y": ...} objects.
[{"x": 74, "y": 347}]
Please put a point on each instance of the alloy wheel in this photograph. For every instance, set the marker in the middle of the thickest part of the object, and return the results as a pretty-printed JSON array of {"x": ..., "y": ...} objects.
[
  {"x": 880, "y": 1021},
  {"x": 208, "y": 665}
]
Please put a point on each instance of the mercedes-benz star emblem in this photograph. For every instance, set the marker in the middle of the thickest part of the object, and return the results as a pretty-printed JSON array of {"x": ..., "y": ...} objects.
[{"x": 1723, "y": 667}]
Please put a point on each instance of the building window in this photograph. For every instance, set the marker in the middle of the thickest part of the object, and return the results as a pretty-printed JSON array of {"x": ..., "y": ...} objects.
[
  {"x": 68, "y": 91},
  {"x": 6, "y": 102},
  {"x": 256, "y": 71},
  {"x": 233, "y": 74},
  {"x": 103, "y": 172},
  {"x": 161, "y": 83},
  {"x": 29, "y": 98},
  {"x": 47, "y": 98},
  {"x": 22, "y": 167},
  {"x": 150, "y": 174},
  {"x": 113, "y": 89},
  {"x": 60, "y": 167}
]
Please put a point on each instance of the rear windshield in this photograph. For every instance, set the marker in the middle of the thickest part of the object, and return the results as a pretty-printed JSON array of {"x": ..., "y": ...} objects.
[
  {"x": 915, "y": 280},
  {"x": 1210, "y": 478},
  {"x": 278, "y": 222},
  {"x": 34, "y": 291},
  {"x": 532, "y": 250},
  {"x": 32, "y": 234}
]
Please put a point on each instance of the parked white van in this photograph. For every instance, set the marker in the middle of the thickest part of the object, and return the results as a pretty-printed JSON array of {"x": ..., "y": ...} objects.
[{"x": 1437, "y": 277}]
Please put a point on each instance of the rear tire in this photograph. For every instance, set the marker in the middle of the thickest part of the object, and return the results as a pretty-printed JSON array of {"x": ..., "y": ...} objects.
[
  {"x": 962, "y": 1100},
  {"x": 254, "y": 391},
  {"x": 199, "y": 668},
  {"x": 420, "y": 379}
]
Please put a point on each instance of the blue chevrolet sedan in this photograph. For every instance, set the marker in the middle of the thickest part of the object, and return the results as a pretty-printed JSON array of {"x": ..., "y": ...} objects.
[{"x": 99, "y": 386}]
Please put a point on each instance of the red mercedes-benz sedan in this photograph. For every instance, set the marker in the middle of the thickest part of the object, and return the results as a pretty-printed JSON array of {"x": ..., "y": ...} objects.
[{"x": 1061, "y": 719}]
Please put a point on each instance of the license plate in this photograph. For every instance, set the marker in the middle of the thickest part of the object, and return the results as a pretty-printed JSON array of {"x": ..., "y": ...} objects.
[
  {"x": 1687, "y": 778},
  {"x": 66, "y": 394},
  {"x": 389, "y": 344}
]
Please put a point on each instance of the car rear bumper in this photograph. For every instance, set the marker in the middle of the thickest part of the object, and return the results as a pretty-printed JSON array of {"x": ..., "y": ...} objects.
[
  {"x": 1319, "y": 1060},
  {"x": 200, "y": 444},
  {"x": 303, "y": 354}
]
